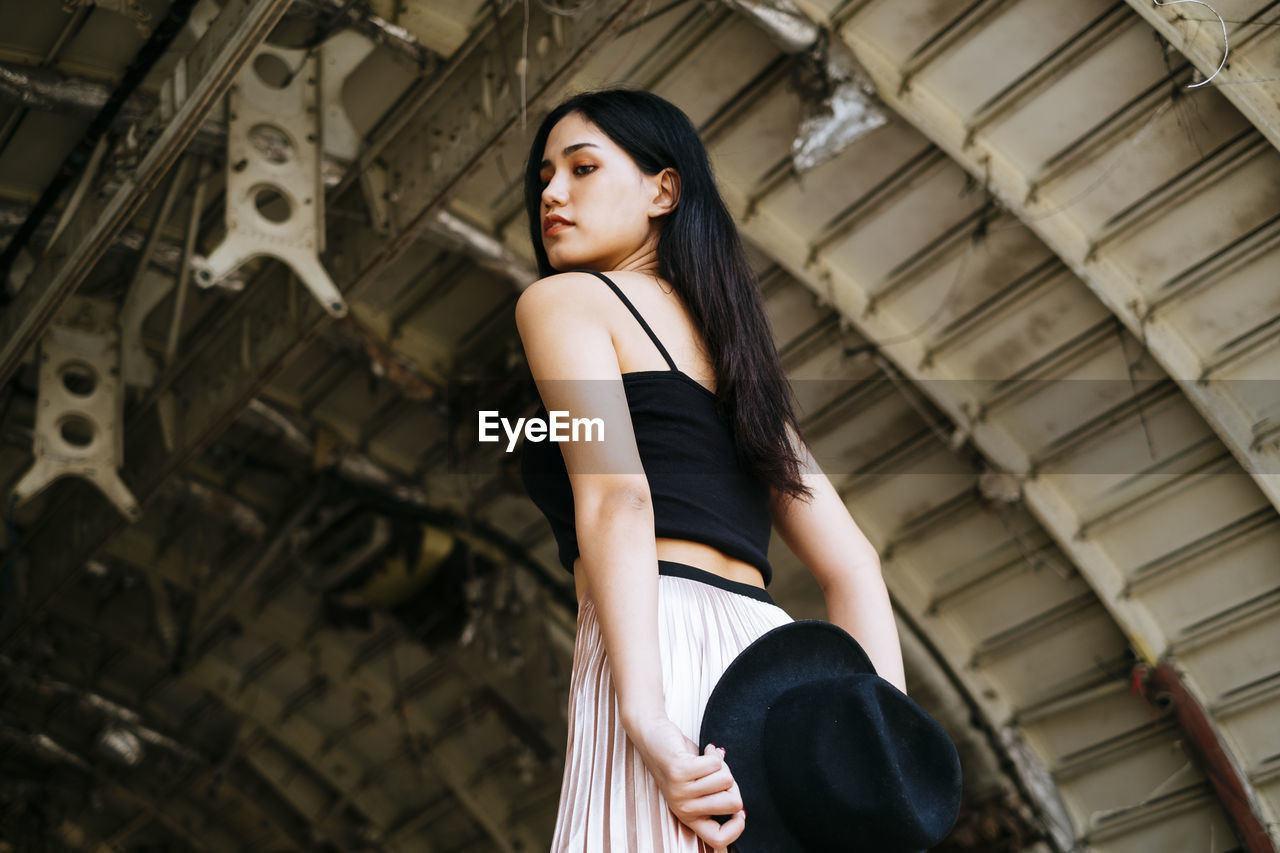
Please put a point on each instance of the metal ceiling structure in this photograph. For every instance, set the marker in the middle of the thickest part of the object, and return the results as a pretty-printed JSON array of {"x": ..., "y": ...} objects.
[{"x": 262, "y": 590}]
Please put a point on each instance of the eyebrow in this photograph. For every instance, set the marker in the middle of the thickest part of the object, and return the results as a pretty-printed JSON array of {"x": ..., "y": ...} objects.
[{"x": 567, "y": 151}]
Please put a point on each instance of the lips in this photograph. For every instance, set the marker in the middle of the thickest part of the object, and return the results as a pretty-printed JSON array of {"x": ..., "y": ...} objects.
[{"x": 555, "y": 224}]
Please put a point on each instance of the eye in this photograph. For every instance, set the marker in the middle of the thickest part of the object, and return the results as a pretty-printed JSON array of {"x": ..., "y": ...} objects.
[{"x": 583, "y": 166}]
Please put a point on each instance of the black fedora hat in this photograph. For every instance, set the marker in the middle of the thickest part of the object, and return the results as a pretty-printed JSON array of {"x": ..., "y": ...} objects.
[{"x": 828, "y": 755}]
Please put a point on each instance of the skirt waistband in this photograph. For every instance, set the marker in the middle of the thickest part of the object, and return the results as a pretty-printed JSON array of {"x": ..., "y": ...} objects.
[{"x": 680, "y": 570}]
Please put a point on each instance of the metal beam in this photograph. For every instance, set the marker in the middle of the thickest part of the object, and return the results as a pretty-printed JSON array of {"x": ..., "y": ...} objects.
[
  {"x": 837, "y": 289},
  {"x": 234, "y": 356},
  {"x": 212, "y": 65},
  {"x": 997, "y": 444},
  {"x": 288, "y": 640},
  {"x": 1104, "y": 276},
  {"x": 1226, "y": 776},
  {"x": 1252, "y": 86},
  {"x": 287, "y": 636},
  {"x": 298, "y": 740},
  {"x": 162, "y": 806},
  {"x": 291, "y": 633}
]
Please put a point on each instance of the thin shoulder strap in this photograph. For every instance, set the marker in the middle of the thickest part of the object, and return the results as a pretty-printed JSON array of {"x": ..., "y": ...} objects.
[{"x": 636, "y": 314}]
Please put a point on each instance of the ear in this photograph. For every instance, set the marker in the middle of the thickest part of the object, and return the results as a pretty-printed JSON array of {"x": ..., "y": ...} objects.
[{"x": 666, "y": 192}]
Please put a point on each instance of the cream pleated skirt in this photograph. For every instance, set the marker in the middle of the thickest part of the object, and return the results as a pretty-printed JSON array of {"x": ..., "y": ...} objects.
[{"x": 609, "y": 802}]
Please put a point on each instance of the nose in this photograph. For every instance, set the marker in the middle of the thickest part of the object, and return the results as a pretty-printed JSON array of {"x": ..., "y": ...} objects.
[{"x": 554, "y": 193}]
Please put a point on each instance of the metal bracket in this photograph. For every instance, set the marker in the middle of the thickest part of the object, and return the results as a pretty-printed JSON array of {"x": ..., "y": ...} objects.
[
  {"x": 341, "y": 53},
  {"x": 275, "y": 198},
  {"x": 80, "y": 413}
]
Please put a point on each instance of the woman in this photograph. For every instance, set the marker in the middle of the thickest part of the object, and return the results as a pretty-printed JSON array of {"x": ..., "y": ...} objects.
[{"x": 650, "y": 311}]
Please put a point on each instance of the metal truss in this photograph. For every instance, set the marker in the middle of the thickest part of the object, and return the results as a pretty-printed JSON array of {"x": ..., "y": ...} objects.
[
  {"x": 247, "y": 791},
  {"x": 279, "y": 638},
  {"x": 232, "y": 358},
  {"x": 1107, "y": 276},
  {"x": 200, "y": 81}
]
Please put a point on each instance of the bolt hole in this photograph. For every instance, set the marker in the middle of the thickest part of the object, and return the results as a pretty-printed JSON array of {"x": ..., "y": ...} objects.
[
  {"x": 272, "y": 204},
  {"x": 79, "y": 378},
  {"x": 77, "y": 431},
  {"x": 271, "y": 142},
  {"x": 272, "y": 70}
]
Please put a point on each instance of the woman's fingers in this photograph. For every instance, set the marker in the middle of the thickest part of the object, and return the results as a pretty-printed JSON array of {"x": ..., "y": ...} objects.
[
  {"x": 711, "y": 760},
  {"x": 712, "y": 783},
  {"x": 709, "y": 763},
  {"x": 716, "y": 834},
  {"x": 692, "y": 768},
  {"x": 724, "y": 802},
  {"x": 699, "y": 786},
  {"x": 712, "y": 794}
]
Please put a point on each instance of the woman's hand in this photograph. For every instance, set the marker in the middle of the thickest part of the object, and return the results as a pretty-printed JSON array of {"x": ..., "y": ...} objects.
[{"x": 694, "y": 786}]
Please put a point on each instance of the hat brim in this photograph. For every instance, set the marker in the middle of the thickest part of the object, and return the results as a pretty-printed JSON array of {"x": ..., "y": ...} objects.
[{"x": 778, "y": 660}]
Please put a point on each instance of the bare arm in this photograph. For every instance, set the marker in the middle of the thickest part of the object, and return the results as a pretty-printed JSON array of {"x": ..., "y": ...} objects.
[
  {"x": 824, "y": 536},
  {"x": 574, "y": 364},
  {"x": 573, "y": 361}
]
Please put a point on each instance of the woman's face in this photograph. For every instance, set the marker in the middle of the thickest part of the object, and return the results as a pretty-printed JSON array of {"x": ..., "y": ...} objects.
[{"x": 597, "y": 206}]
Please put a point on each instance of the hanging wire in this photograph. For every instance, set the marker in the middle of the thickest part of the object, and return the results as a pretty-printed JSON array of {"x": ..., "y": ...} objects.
[
  {"x": 1155, "y": 792},
  {"x": 1226, "y": 45},
  {"x": 1030, "y": 555},
  {"x": 1136, "y": 138},
  {"x": 649, "y": 16}
]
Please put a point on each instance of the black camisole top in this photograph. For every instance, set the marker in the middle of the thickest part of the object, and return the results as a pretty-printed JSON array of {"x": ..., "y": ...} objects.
[{"x": 699, "y": 492}]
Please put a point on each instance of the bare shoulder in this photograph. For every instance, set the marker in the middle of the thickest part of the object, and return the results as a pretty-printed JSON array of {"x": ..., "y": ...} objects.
[
  {"x": 564, "y": 329},
  {"x": 557, "y": 298}
]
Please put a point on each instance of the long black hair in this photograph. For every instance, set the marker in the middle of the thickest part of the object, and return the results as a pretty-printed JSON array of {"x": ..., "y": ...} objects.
[{"x": 701, "y": 255}]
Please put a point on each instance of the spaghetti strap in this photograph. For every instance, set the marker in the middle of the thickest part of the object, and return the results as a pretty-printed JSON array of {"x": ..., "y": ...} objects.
[{"x": 636, "y": 314}]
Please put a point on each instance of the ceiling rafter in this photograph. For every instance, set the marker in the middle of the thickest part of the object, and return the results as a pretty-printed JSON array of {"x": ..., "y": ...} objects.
[
  {"x": 155, "y": 804},
  {"x": 1105, "y": 277},
  {"x": 292, "y": 635},
  {"x": 775, "y": 238},
  {"x": 232, "y": 358},
  {"x": 211, "y": 66},
  {"x": 256, "y": 705},
  {"x": 1199, "y": 39},
  {"x": 990, "y": 438},
  {"x": 990, "y": 580},
  {"x": 966, "y": 143},
  {"x": 290, "y": 639}
]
